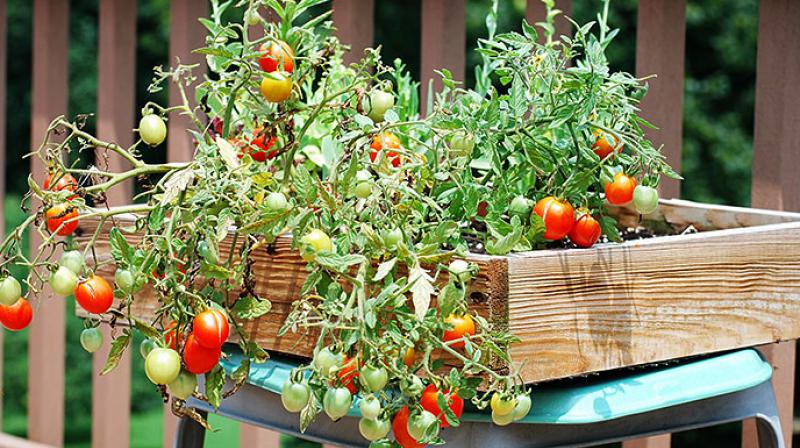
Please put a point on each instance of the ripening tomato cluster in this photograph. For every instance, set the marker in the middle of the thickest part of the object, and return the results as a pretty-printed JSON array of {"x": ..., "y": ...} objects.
[
  {"x": 93, "y": 293},
  {"x": 62, "y": 217},
  {"x": 277, "y": 61}
]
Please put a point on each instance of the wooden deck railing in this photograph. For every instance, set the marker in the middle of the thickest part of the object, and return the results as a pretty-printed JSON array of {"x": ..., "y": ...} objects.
[{"x": 660, "y": 49}]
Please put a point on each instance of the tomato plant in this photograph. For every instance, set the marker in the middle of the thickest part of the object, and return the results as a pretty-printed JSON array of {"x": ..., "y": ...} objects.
[
  {"x": 17, "y": 316},
  {"x": 94, "y": 294},
  {"x": 605, "y": 143},
  {"x": 60, "y": 181},
  {"x": 387, "y": 141}
]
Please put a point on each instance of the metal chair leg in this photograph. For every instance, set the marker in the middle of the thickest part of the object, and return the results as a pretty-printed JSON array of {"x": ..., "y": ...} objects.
[
  {"x": 769, "y": 431},
  {"x": 189, "y": 433}
]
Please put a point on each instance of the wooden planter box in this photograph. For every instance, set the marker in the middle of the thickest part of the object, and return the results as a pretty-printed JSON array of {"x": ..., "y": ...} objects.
[{"x": 735, "y": 283}]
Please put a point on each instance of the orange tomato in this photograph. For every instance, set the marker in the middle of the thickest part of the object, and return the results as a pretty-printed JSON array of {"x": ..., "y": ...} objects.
[
  {"x": 59, "y": 214},
  {"x": 349, "y": 373},
  {"x": 586, "y": 231},
  {"x": 430, "y": 402},
  {"x": 277, "y": 87},
  {"x": 388, "y": 141},
  {"x": 558, "y": 217},
  {"x": 409, "y": 356},
  {"x": 276, "y": 54},
  {"x": 94, "y": 294},
  {"x": 605, "y": 143},
  {"x": 620, "y": 190},
  {"x": 462, "y": 326}
]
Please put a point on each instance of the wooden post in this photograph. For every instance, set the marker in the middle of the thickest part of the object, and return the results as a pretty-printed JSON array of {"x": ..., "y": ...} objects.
[
  {"x": 443, "y": 43},
  {"x": 663, "y": 105},
  {"x": 111, "y": 393},
  {"x": 536, "y": 12},
  {"x": 354, "y": 21},
  {"x": 254, "y": 437},
  {"x": 2, "y": 155},
  {"x": 776, "y": 156},
  {"x": 46, "y": 334}
]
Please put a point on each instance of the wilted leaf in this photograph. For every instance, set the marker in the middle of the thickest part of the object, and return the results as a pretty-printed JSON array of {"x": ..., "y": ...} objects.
[
  {"x": 421, "y": 290},
  {"x": 228, "y": 153},
  {"x": 176, "y": 184},
  {"x": 384, "y": 269},
  {"x": 118, "y": 347}
]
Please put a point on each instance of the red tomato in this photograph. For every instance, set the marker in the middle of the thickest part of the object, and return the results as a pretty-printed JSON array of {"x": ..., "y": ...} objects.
[
  {"x": 400, "y": 429},
  {"x": 199, "y": 359},
  {"x": 348, "y": 374},
  {"x": 94, "y": 294},
  {"x": 462, "y": 326},
  {"x": 430, "y": 402},
  {"x": 558, "y": 216},
  {"x": 62, "y": 182},
  {"x": 17, "y": 316},
  {"x": 210, "y": 328},
  {"x": 261, "y": 145},
  {"x": 586, "y": 231},
  {"x": 483, "y": 209},
  {"x": 59, "y": 214},
  {"x": 605, "y": 143},
  {"x": 172, "y": 337},
  {"x": 389, "y": 141},
  {"x": 620, "y": 190},
  {"x": 275, "y": 54}
]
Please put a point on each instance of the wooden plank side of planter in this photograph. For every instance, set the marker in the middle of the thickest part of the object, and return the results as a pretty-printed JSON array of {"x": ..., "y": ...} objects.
[{"x": 614, "y": 306}]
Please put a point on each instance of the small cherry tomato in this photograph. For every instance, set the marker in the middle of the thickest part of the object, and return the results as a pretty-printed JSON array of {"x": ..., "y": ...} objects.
[
  {"x": 276, "y": 87},
  {"x": 502, "y": 419},
  {"x": 348, "y": 374},
  {"x": 392, "y": 237},
  {"x": 17, "y": 316},
  {"x": 61, "y": 219},
  {"x": 409, "y": 356},
  {"x": 72, "y": 260},
  {"x": 207, "y": 252},
  {"x": 126, "y": 281},
  {"x": 315, "y": 241},
  {"x": 276, "y": 202},
  {"x": 59, "y": 182},
  {"x": 523, "y": 406},
  {"x": 645, "y": 199},
  {"x": 325, "y": 360},
  {"x": 460, "y": 269},
  {"x": 260, "y": 149},
  {"x": 276, "y": 55},
  {"x": 377, "y": 103},
  {"x": 336, "y": 402},
  {"x": 295, "y": 396},
  {"x": 558, "y": 217},
  {"x": 10, "y": 291},
  {"x": 363, "y": 189},
  {"x": 462, "y": 144},
  {"x": 162, "y": 365},
  {"x": 373, "y": 430},
  {"x": 199, "y": 359},
  {"x": 620, "y": 190},
  {"x": 172, "y": 337},
  {"x": 586, "y": 231},
  {"x": 462, "y": 326},
  {"x": 94, "y": 295},
  {"x": 373, "y": 378},
  {"x": 63, "y": 281},
  {"x": 184, "y": 385},
  {"x": 605, "y": 143},
  {"x": 387, "y": 141},
  {"x": 400, "y": 429},
  {"x": 91, "y": 339},
  {"x": 370, "y": 407},
  {"x": 430, "y": 402},
  {"x": 502, "y": 405},
  {"x": 210, "y": 328},
  {"x": 152, "y": 129},
  {"x": 420, "y": 424},
  {"x": 520, "y": 206}
]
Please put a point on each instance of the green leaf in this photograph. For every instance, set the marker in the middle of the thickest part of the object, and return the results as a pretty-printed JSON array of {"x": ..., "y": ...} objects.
[
  {"x": 384, "y": 269},
  {"x": 609, "y": 227},
  {"x": 449, "y": 298},
  {"x": 156, "y": 218},
  {"x": 505, "y": 244},
  {"x": 250, "y": 307},
  {"x": 215, "y": 380},
  {"x": 118, "y": 347},
  {"x": 338, "y": 263},
  {"x": 120, "y": 249},
  {"x": 147, "y": 330}
]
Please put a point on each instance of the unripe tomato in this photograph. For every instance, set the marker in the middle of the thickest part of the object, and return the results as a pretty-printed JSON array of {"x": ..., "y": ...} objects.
[
  {"x": 210, "y": 328},
  {"x": 502, "y": 420},
  {"x": 620, "y": 190},
  {"x": 348, "y": 374},
  {"x": 10, "y": 291},
  {"x": 377, "y": 103},
  {"x": 152, "y": 129},
  {"x": 63, "y": 281},
  {"x": 17, "y": 316},
  {"x": 276, "y": 88},
  {"x": 430, "y": 402},
  {"x": 72, "y": 260},
  {"x": 91, "y": 339},
  {"x": 387, "y": 141},
  {"x": 276, "y": 55},
  {"x": 59, "y": 214},
  {"x": 125, "y": 281},
  {"x": 645, "y": 199},
  {"x": 336, "y": 402},
  {"x": 400, "y": 429},
  {"x": 146, "y": 346},
  {"x": 207, "y": 252},
  {"x": 253, "y": 18},
  {"x": 315, "y": 241},
  {"x": 605, "y": 143},
  {"x": 392, "y": 237},
  {"x": 199, "y": 359},
  {"x": 276, "y": 202},
  {"x": 462, "y": 326},
  {"x": 59, "y": 182},
  {"x": 558, "y": 217},
  {"x": 325, "y": 360},
  {"x": 373, "y": 430},
  {"x": 523, "y": 406},
  {"x": 374, "y": 378},
  {"x": 520, "y": 206},
  {"x": 370, "y": 407},
  {"x": 162, "y": 365},
  {"x": 94, "y": 295},
  {"x": 460, "y": 268},
  {"x": 184, "y": 385},
  {"x": 462, "y": 144},
  {"x": 419, "y": 424},
  {"x": 502, "y": 405},
  {"x": 411, "y": 386},
  {"x": 363, "y": 189},
  {"x": 295, "y": 396},
  {"x": 586, "y": 231}
]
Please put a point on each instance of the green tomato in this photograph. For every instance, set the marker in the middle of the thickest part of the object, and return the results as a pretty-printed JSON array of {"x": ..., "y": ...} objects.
[
  {"x": 502, "y": 420},
  {"x": 521, "y": 206},
  {"x": 63, "y": 281},
  {"x": 392, "y": 237},
  {"x": 10, "y": 291},
  {"x": 460, "y": 268},
  {"x": 295, "y": 396},
  {"x": 462, "y": 144},
  {"x": 374, "y": 378},
  {"x": 422, "y": 423},
  {"x": 377, "y": 104},
  {"x": 152, "y": 129},
  {"x": 162, "y": 365},
  {"x": 72, "y": 260},
  {"x": 276, "y": 202},
  {"x": 411, "y": 386},
  {"x": 523, "y": 406},
  {"x": 336, "y": 402},
  {"x": 325, "y": 361},
  {"x": 645, "y": 199},
  {"x": 502, "y": 405},
  {"x": 373, "y": 430},
  {"x": 146, "y": 347},
  {"x": 207, "y": 252},
  {"x": 91, "y": 339},
  {"x": 370, "y": 407},
  {"x": 315, "y": 241},
  {"x": 125, "y": 281},
  {"x": 184, "y": 385},
  {"x": 363, "y": 189}
]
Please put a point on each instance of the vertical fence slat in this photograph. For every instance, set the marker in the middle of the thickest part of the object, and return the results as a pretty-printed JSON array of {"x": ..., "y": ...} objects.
[
  {"x": 354, "y": 21},
  {"x": 663, "y": 105},
  {"x": 111, "y": 394},
  {"x": 776, "y": 156},
  {"x": 537, "y": 12},
  {"x": 46, "y": 335},
  {"x": 253, "y": 436},
  {"x": 443, "y": 42},
  {"x": 3, "y": 40},
  {"x": 659, "y": 441}
]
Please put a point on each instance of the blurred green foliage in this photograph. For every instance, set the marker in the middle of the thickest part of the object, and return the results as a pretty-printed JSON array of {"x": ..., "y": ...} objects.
[{"x": 718, "y": 123}]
